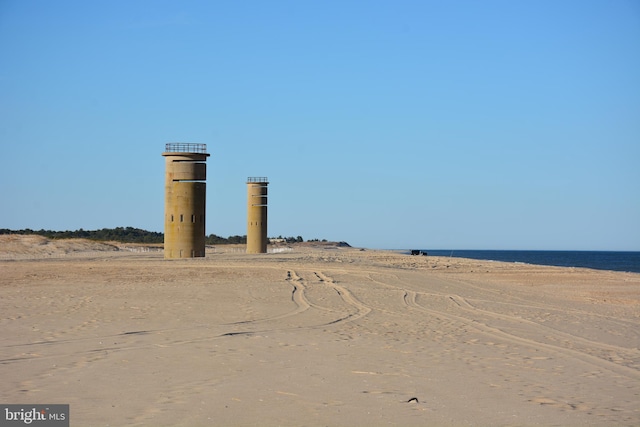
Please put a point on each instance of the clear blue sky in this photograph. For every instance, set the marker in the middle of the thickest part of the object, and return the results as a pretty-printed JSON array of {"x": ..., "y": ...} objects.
[{"x": 388, "y": 124}]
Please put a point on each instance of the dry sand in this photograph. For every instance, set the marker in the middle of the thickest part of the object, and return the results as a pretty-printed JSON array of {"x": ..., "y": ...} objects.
[{"x": 313, "y": 337}]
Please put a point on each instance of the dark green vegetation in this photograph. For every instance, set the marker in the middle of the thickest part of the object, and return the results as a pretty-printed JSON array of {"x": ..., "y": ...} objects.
[
  {"x": 133, "y": 235},
  {"x": 118, "y": 234}
]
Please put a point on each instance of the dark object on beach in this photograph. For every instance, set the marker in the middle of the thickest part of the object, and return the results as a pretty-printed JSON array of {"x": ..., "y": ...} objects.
[
  {"x": 418, "y": 252},
  {"x": 413, "y": 399},
  {"x": 343, "y": 245}
]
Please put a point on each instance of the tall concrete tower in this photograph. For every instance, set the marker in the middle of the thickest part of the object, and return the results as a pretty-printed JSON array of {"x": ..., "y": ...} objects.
[
  {"x": 257, "y": 215},
  {"x": 184, "y": 199}
]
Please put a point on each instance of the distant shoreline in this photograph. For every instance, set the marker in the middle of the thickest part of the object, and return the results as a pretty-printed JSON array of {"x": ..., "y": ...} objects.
[
  {"x": 34, "y": 245},
  {"x": 626, "y": 261}
]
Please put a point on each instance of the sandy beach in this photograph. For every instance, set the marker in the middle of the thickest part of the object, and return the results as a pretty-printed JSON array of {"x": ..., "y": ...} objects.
[{"x": 314, "y": 336}]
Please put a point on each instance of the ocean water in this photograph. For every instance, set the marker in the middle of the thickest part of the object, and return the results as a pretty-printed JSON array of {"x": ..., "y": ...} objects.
[{"x": 600, "y": 260}]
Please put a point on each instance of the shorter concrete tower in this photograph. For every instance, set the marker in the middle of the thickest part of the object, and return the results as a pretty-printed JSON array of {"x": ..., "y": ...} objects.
[
  {"x": 257, "y": 215},
  {"x": 185, "y": 191}
]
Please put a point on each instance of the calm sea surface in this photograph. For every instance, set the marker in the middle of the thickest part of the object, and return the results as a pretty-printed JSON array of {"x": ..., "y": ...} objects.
[{"x": 617, "y": 261}]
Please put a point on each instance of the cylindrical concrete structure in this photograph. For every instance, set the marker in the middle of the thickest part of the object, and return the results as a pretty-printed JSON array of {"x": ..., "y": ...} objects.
[
  {"x": 257, "y": 215},
  {"x": 184, "y": 200}
]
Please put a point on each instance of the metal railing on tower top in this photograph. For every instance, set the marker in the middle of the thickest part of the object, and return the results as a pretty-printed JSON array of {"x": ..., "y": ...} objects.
[
  {"x": 185, "y": 147},
  {"x": 257, "y": 179}
]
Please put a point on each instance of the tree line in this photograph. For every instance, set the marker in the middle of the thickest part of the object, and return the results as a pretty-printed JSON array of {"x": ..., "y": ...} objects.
[
  {"x": 134, "y": 235},
  {"x": 118, "y": 234}
]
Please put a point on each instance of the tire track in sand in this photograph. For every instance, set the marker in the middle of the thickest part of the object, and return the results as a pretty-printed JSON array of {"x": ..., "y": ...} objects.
[
  {"x": 607, "y": 356},
  {"x": 613, "y": 352},
  {"x": 361, "y": 309},
  {"x": 297, "y": 296},
  {"x": 410, "y": 299}
]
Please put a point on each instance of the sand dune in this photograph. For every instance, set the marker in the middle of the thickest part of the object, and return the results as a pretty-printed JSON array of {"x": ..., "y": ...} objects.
[
  {"x": 14, "y": 246},
  {"x": 316, "y": 336}
]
